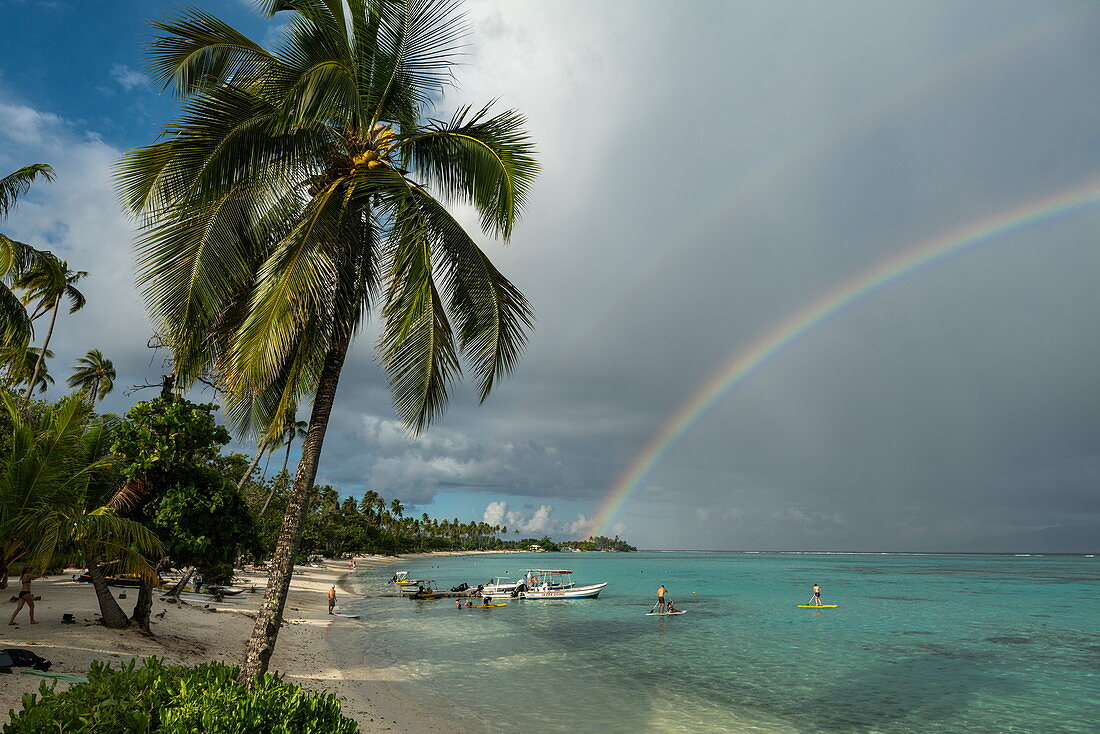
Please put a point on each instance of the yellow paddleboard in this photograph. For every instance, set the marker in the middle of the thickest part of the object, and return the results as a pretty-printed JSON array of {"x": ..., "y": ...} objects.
[{"x": 819, "y": 606}]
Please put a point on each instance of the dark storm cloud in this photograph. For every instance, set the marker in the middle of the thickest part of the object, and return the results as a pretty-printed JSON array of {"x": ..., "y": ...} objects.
[{"x": 955, "y": 406}]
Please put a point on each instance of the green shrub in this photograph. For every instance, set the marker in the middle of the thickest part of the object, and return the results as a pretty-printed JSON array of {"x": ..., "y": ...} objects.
[{"x": 178, "y": 700}]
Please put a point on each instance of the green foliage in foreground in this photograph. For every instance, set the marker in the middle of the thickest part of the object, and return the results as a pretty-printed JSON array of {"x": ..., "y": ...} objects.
[{"x": 178, "y": 700}]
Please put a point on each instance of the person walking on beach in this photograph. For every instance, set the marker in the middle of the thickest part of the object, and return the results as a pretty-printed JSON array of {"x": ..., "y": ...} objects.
[
  {"x": 817, "y": 595},
  {"x": 661, "y": 597},
  {"x": 331, "y": 599},
  {"x": 26, "y": 598}
]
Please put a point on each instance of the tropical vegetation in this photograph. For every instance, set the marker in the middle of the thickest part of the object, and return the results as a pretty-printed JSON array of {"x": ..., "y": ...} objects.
[
  {"x": 304, "y": 189},
  {"x": 155, "y": 698}
]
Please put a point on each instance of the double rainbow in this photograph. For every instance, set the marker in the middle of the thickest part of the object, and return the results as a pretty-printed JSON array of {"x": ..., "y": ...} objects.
[{"x": 745, "y": 363}]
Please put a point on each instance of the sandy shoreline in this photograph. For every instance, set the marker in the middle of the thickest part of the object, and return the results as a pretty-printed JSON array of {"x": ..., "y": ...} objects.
[{"x": 314, "y": 649}]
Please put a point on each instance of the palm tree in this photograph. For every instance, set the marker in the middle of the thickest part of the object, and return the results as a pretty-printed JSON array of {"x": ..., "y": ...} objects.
[
  {"x": 293, "y": 429},
  {"x": 20, "y": 361},
  {"x": 94, "y": 375},
  {"x": 52, "y": 479},
  {"x": 293, "y": 199},
  {"x": 15, "y": 324},
  {"x": 46, "y": 282}
]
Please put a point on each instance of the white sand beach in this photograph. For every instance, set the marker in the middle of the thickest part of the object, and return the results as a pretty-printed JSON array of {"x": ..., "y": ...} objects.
[{"x": 315, "y": 649}]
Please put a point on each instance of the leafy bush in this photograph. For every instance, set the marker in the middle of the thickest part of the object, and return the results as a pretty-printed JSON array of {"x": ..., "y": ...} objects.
[{"x": 178, "y": 700}]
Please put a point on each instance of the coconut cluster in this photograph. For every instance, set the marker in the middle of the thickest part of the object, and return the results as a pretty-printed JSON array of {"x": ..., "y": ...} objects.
[{"x": 383, "y": 140}]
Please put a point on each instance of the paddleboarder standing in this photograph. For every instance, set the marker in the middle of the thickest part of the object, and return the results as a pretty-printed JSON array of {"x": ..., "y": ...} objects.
[
  {"x": 661, "y": 597},
  {"x": 817, "y": 595}
]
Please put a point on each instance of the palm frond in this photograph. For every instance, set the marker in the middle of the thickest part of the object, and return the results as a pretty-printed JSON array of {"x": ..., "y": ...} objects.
[
  {"x": 417, "y": 43},
  {"x": 197, "y": 50},
  {"x": 418, "y": 346},
  {"x": 491, "y": 314},
  {"x": 18, "y": 183},
  {"x": 487, "y": 161}
]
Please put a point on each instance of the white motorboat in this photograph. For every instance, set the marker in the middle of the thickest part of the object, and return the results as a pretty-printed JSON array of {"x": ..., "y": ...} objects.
[
  {"x": 501, "y": 586},
  {"x": 553, "y": 584}
]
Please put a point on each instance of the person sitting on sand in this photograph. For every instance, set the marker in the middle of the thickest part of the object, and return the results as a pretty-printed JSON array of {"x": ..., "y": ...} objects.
[
  {"x": 26, "y": 598},
  {"x": 331, "y": 599}
]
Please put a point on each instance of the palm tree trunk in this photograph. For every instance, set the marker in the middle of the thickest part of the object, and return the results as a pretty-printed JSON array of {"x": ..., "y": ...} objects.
[
  {"x": 262, "y": 643},
  {"x": 95, "y": 391},
  {"x": 182, "y": 583},
  {"x": 252, "y": 466},
  {"x": 112, "y": 613},
  {"x": 42, "y": 354},
  {"x": 144, "y": 604}
]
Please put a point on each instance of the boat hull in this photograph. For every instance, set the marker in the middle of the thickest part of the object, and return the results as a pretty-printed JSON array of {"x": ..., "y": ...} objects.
[{"x": 574, "y": 592}]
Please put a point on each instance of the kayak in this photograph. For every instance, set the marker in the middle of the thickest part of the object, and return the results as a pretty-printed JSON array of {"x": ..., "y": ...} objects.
[{"x": 487, "y": 606}]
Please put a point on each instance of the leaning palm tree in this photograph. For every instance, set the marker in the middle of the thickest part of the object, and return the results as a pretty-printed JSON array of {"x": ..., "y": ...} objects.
[
  {"x": 54, "y": 475},
  {"x": 15, "y": 325},
  {"x": 94, "y": 375},
  {"x": 45, "y": 284},
  {"x": 19, "y": 362},
  {"x": 302, "y": 190}
]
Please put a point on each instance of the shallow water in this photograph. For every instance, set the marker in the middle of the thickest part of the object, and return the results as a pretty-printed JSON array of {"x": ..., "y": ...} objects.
[{"x": 919, "y": 643}]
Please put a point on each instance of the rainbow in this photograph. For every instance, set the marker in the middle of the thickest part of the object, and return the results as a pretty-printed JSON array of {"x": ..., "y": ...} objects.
[{"x": 744, "y": 364}]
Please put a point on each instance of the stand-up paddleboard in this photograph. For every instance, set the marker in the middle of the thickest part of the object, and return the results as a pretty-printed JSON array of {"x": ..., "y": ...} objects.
[
  {"x": 487, "y": 606},
  {"x": 666, "y": 614},
  {"x": 345, "y": 614},
  {"x": 819, "y": 606}
]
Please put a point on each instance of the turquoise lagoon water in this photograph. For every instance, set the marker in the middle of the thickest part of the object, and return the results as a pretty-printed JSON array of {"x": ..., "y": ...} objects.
[{"x": 920, "y": 643}]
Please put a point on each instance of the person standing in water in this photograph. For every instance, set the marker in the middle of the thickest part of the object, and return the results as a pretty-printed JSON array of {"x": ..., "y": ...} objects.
[
  {"x": 331, "y": 599},
  {"x": 26, "y": 598},
  {"x": 661, "y": 597},
  {"x": 817, "y": 595}
]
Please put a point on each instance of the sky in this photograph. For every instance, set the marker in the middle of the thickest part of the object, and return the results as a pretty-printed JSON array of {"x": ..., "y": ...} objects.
[{"x": 708, "y": 175}]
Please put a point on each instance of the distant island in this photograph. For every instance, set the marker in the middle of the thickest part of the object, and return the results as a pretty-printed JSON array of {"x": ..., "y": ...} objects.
[{"x": 598, "y": 543}]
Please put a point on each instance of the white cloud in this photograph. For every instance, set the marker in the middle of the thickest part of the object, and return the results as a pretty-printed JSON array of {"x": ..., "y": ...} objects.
[
  {"x": 576, "y": 528},
  {"x": 541, "y": 521},
  {"x": 495, "y": 513},
  {"x": 78, "y": 218},
  {"x": 129, "y": 79}
]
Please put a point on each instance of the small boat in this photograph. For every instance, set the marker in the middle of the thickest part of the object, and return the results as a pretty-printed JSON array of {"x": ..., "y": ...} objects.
[
  {"x": 413, "y": 586},
  {"x": 226, "y": 590},
  {"x": 401, "y": 578},
  {"x": 125, "y": 581},
  {"x": 424, "y": 590},
  {"x": 500, "y": 586},
  {"x": 552, "y": 584}
]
